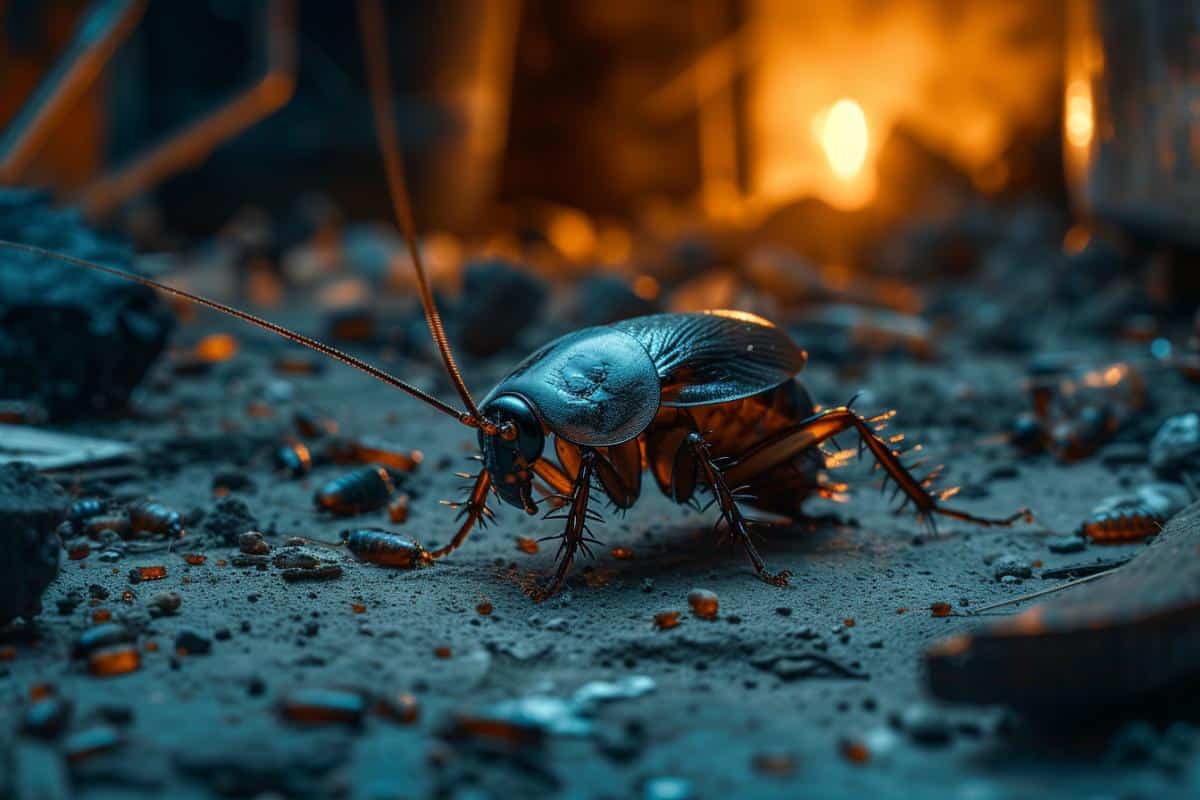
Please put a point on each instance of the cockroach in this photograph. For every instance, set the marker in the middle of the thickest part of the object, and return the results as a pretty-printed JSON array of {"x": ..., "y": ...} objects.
[
  {"x": 80, "y": 511},
  {"x": 1125, "y": 524},
  {"x": 149, "y": 516},
  {"x": 356, "y": 492},
  {"x": 385, "y": 548},
  {"x": 294, "y": 458},
  {"x": 117, "y": 523},
  {"x": 703, "y": 401}
]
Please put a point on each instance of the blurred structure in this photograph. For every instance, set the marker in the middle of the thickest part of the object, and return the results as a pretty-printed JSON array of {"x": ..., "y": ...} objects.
[{"x": 1132, "y": 114}]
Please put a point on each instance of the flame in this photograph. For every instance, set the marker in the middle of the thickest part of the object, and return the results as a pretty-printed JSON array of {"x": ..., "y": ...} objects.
[
  {"x": 842, "y": 132},
  {"x": 1080, "y": 119}
]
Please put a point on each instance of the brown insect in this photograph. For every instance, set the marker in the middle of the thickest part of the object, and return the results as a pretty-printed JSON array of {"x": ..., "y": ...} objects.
[
  {"x": 1127, "y": 524},
  {"x": 703, "y": 402}
]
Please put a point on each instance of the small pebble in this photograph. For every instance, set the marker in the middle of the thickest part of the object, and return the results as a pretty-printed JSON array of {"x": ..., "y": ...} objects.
[
  {"x": 704, "y": 603},
  {"x": 252, "y": 543},
  {"x": 1066, "y": 544}
]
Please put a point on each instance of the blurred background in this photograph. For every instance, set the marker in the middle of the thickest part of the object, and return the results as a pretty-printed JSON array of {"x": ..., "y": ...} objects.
[{"x": 877, "y": 171}]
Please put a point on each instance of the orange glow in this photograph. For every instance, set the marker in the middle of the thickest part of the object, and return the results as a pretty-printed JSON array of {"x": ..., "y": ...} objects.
[
  {"x": 1079, "y": 118},
  {"x": 645, "y": 287},
  {"x": 842, "y": 132},
  {"x": 216, "y": 348},
  {"x": 830, "y": 83}
]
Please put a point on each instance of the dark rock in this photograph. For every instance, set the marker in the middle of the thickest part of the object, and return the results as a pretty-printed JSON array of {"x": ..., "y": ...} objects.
[
  {"x": 499, "y": 300},
  {"x": 605, "y": 298},
  {"x": 101, "y": 636},
  {"x": 1066, "y": 544},
  {"x": 31, "y": 508},
  {"x": 230, "y": 519},
  {"x": 1175, "y": 449},
  {"x": 193, "y": 644},
  {"x": 924, "y": 725},
  {"x": 47, "y": 718},
  {"x": 74, "y": 340},
  {"x": 1009, "y": 565}
]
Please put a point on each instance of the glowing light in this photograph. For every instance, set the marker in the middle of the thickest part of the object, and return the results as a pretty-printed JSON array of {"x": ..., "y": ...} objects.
[
  {"x": 842, "y": 132},
  {"x": 1079, "y": 121}
]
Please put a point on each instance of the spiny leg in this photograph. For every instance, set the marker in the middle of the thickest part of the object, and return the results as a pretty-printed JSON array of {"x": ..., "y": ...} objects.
[
  {"x": 820, "y": 427},
  {"x": 576, "y": 516},
  {"x": 725, "y": 498},
  {"x": 473, "y": 510}
]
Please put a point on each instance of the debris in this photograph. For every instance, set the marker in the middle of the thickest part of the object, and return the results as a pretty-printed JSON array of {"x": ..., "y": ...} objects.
[
  {"x": 401, "y": 707},
  {"x": 165, "y": 604},
  {"x": 571, "y": 716},
  {"x": 924, "y": 725},
  {"x": 805, "y": 666},
  {"x": 704, "y": 603},
  {"x": 527, "y": 545},
  {"x": 1046, "y": 657},
  {"x": 665, "y": 620},
  {"x": 190, "y": 643},
  {"x": 1066, "y": 544},
  {"x": 252, "y": 543},
  {"x": 91, "y": 742},
  {"x": 47, "y": 717},
  {"x": 31, "y": 508},
  {"x": 324, "y": 572},
  {"x": 317, "y": 706},
  {"x": 1175, "y": 448},
  {"x": 1010, "y": 565},
  {"x": 75, "y": 341},
  {"x": 229, "y": 519},
  {"x": 152, "y": 573},
  {"x": 775, "y": 765},
  {"x": 940, "y": 609},
  {"x": 668, "y": 788},
  {"x": 119, "y": 659},
  {"x": 1083, "y": 570}
]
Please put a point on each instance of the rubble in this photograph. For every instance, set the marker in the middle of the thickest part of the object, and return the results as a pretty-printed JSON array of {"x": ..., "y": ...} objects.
[
  {"x": 75, "y": 341},
  {"x": 31, "y": 508}
]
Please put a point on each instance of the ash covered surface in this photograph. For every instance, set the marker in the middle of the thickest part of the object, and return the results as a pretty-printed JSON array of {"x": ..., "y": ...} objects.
[{"x": 283, "y": 664}]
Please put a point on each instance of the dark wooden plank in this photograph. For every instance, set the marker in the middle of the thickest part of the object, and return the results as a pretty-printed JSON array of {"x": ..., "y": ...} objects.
[{"x": 1131, "y": 633}]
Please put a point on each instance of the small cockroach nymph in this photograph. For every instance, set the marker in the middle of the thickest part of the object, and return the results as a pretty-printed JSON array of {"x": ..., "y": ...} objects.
[{"x": 702, "y": 401}]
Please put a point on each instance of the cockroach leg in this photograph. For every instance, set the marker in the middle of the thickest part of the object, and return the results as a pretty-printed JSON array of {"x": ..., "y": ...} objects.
[
  {"x": 554, "y": 477},
  {"x": 474, "y": 510},
  {"x": 577, "y": 515},
  {"x": 820, "y": 427},
  {"x": 726, "y": 499}
]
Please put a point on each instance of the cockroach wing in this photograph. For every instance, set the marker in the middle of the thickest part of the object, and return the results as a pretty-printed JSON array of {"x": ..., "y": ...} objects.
[
  {"x": 595, "y": 387},
  {"x": 715, "y": 356}
]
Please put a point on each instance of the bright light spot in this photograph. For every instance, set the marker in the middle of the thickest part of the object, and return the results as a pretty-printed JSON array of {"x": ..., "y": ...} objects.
[
  {"x": 1079, "y": 122},
  {"x": 842, "y": 131}
]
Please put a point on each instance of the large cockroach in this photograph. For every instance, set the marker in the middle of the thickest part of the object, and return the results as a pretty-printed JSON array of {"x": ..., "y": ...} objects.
[{"x": 701, "y": 400}]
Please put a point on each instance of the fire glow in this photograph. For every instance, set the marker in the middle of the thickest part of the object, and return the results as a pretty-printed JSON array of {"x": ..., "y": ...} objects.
[{"x": 831, "y": 83}]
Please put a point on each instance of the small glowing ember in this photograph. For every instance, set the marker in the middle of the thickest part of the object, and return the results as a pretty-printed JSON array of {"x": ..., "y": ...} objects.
[
  {"x": 527, "y": 545},
  {"x": 216, "y": 348}
]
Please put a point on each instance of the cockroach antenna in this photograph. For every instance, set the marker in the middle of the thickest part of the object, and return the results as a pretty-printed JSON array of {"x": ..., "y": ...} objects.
[
  {"x": 373, "y": 27},
  {"x": 307, "y": 341}
]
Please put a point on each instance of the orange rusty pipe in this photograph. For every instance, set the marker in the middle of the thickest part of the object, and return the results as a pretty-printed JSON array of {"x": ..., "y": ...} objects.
[
  {"x": 198, "y": 139},
  {"x": 99, "y": 34}
]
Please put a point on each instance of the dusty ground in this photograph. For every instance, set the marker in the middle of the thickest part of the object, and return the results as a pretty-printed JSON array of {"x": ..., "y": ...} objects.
[{"x": 771, "y": 699}]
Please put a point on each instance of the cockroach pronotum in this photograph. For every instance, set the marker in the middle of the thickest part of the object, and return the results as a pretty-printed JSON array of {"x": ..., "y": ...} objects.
[
  {"x": 294, "y": 458},
  {"x": 704, "y": 400}
]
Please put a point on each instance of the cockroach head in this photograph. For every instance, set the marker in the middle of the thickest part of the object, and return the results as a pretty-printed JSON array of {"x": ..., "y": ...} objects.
[{"x": 510, "y": 453}]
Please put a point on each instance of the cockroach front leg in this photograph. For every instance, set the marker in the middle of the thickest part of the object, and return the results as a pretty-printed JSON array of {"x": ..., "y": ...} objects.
[
  {"x": 726, "y": 499},
  {"x": 473, "y": 510},
  {"x": 820, "y": 427},
  {"x": 574, "y": 537}
]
